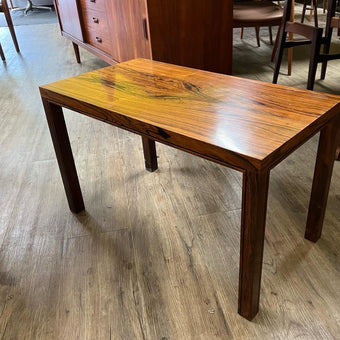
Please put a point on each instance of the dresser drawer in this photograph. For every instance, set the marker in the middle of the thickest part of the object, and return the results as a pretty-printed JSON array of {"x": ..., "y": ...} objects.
[
  {"x": 100, "y": 40},
  {"x": 96, "y": 28},
  {"x": 95, "y": 20},
  {"x": 97, "y": 5}
]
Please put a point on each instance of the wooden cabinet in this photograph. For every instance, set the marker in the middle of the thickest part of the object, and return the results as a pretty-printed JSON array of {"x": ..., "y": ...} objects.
[{"x": 194, "y": 33}]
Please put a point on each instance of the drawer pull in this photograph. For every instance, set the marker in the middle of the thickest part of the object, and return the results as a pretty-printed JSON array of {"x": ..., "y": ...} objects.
[
  {"x": 145, "y": 29},
  {"x": 92, "y": 0},
  {"x": 95, "y": 20},
  {"x": 98, "y": 39}
]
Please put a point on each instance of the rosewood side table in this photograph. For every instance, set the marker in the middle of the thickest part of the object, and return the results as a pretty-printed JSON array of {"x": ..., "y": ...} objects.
[{"x": 247, "y": 125}]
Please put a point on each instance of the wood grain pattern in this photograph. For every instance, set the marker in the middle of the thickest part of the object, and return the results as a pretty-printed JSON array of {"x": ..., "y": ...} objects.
[
  {"x": 121, "y": 107},
  {"x": 128, "y": 25},
  {"x": 232, "y": 119},
  {"x": 253, "y": 222},
  {"x": 62, "y": 147},
  {"x": 192, "y": 33}
]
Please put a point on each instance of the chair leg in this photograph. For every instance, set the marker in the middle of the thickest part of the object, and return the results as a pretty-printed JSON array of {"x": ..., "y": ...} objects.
[
  {"x": 270, "y": 35},
  {"x": 282, "y": 40},
  {"x": 257, "y": 31},
  {"x": 276, "y": 43},
  {"x": 10, "y": 25},
  {"x": 303, "y": 11},
  {"x": 312, "y": 8},
  {"x": 314, "y": 58},
  {"x": 2, "y": 53},
  {"x": 326, "y": 48},
  {"x": 323, "y": 70},
  {"x": 241, "y": 34},
  {"x": 315, "y": 7}
]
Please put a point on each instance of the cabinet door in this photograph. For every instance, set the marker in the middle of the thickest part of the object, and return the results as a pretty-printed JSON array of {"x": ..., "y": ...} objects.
[
  {"x": 194, "y": 33},
  {"x": 68, "y": 15},
  {"x": 129, "y": 29}
]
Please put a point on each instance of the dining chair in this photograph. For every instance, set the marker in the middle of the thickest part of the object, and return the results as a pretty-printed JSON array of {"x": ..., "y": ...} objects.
[
  {"x": 311, "y": 6},
  {"x": 257, "y": 14},
  {"x": 313, "y": 37},
  {"x": 4, "y": 9}
]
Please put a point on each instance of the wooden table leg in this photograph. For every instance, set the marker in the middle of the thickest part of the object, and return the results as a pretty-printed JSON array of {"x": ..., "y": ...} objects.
[
  {"x": 62, "y": 147},
  {"x": 321, "y": 182},
  {"x": 337, "y": 152},
  {"x": 254, "y": 208},
  {"x": 150, "y": 156}
]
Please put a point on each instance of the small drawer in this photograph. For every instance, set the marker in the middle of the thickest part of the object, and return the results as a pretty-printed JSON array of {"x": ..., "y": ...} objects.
[
  {"x": 97, "y": 5},
  {"x": 95, "y": 20},
  {"x": 99, "y": 39}
]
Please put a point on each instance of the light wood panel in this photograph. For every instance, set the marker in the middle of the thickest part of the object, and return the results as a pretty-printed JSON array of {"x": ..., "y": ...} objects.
[{"x": 59, "y": 274}]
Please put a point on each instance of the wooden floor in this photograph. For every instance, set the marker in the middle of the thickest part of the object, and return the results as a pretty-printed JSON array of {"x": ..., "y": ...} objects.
[{"x": 155, "y": 256}]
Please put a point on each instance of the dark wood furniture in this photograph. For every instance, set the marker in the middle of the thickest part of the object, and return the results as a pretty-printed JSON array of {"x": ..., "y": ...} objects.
[
  {"x": 4, "y": 9},
  {"x": 247, "y": 125},
  {"x": 257, "y": 14},
  {"x": 313, "y": 37},
  {"x": 311, "y": 6},
  {"x": 191, "y": 33}
]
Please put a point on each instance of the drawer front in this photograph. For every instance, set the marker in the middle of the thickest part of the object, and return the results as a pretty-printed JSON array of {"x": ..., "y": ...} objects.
[
  {"x": 100, "y": 40},
  {"x": 96, "y": 5},
  {"x": 95, "y": 20},
  {"x": 96, "y": 28}
]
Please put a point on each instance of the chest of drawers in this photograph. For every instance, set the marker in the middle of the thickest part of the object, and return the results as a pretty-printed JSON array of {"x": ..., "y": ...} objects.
[
  {"x": 97, "y": 31},
  {"x": 194, "y": 33}
]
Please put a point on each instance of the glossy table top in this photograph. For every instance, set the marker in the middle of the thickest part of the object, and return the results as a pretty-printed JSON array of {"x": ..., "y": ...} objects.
[{"x": 255, "y": 120}]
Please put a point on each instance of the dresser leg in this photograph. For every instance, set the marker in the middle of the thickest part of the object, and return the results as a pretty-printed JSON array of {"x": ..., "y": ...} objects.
[
  {"x": 62, "y": 147},
  {"x": 254, "y": 208},
  {"x": 76, "y": 52},
  {"x": 321, "y": 182},
  {"x": 150, "y": 156}
]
